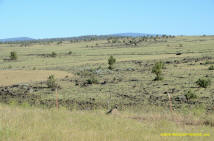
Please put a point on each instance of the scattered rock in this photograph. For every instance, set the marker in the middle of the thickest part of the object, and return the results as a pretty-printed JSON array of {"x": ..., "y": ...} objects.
[{"x": 179, "y": 53}]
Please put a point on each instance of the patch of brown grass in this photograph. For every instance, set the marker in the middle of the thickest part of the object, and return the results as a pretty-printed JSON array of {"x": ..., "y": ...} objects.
[
  {"x": 10, "y": 77},
  {"x": 178, "y": 118}
]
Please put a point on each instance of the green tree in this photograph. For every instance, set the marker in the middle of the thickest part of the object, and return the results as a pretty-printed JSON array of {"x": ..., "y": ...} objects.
[
  {"x": 190, "y": 95},
  {"x": 203, "y": 82},
  {"x": 111, "y": 62},
  {"x": 157, "y": 70},
  {"x": 53, "y": 54},
  {"x": 51, "y": 82},
  {"x": 13, "y": 55}
]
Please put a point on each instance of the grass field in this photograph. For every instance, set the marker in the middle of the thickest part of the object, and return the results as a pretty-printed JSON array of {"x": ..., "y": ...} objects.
[
  {"x": 32, "y": 124},
  {"x": 11, "y": 77},
  {"x": 130, "y": 84}
]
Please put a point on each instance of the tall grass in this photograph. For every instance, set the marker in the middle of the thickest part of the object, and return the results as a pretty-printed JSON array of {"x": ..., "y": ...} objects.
[{"x": 33, "y": 124}]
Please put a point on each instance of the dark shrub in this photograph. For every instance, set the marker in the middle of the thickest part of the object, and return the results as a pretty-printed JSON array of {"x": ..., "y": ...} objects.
[
  {"x": 111, "y": 62},
  {"x": 211, "y": 67},
  {"x": 53, "y": 54},
  {"x": 157, "y": 70},
  {"x": 190, "y": 95},
  {"x": 13, "y": 55},
  {"x": 203, "y": 82},
  {"x": 70, "y": 52},
  {"x": 92, "y": 80},
  {"x": 51, "y": 82}
]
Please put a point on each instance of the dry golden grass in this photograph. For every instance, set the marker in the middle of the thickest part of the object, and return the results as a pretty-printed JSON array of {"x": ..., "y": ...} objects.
[
  {"x": 33, "y": 124},
  {"x": 10, "y": 77}
]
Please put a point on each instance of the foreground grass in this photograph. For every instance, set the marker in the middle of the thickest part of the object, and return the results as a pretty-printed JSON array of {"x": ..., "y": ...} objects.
[{"x": 33, "y": 124}]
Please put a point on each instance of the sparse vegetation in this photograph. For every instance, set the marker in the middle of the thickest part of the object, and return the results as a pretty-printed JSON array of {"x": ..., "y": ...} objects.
[
  {"x": 211, "y": 67},
  {"x": 92, "y": 80},
  {"x": 51, "y": 82},
  {"x": 70, "y": 52},
  {"x": 53, "y": 54},
  {"x": 190, "y": 95},
  {"x": 203, "y": 82},
  {"x": 157, "y": 70},
  {"x": 88, "y": 85},
  {"x": 111, "y": 62},
  {"x": 13, "y": 55}
]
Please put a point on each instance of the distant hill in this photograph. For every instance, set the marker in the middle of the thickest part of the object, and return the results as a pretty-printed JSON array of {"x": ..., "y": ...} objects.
[
  {"x": 23, "y": 39},
  {"x": 18, "y": 39},
  {"x": 132, "y": 34}
]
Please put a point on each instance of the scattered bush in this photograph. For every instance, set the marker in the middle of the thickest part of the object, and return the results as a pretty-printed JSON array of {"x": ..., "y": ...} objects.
[
  {"x": 209, "y": 62},
  {"x": 86, "y": 77},
  {"x": 91, "y": 80},
  {"x": 157, "y": 70},
  {"x": 203, "y": 82},
  {"x": 70, "y": 52},
  {"x": 13, "y": 55},
  {"x": 180, "y": 45},
  {"x": 211, "y": 67},
  {"x": 190, "y": 95},
  {"x": 53, "y": 54},
  {"x": 111, "y": 62},
  {"x": 60, "y": 42},
  {"x": 10, "y": 67},
  {"x": 51, "y": 82}
]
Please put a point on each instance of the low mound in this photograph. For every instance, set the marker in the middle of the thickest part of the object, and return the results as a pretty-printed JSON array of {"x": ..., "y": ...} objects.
[{"x": 10, "y": 77}]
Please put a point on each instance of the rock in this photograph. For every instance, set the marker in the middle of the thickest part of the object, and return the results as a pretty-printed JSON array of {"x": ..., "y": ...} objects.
[
  {"x": 133, "y": 80},
  {"x": 103, "y": 83},
  {"x": 130, "y": 69},
  {"x": 168, "y": 62},
  {"x": 181, "y": 98},
  {"x": 179, "y": 53},
  {"x": 30, "y": 90}
]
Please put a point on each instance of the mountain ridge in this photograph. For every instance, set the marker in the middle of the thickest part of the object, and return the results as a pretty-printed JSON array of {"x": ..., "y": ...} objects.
[{"x": 127, "y": 34}]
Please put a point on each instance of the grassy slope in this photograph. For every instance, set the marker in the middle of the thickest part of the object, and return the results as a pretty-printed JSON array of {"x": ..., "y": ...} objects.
[
  {"x": 32, "y": 124},
  {"x": 88, "y": 55},
  {"x": 36, "y": 124},
  {"x": 10, "y": 77},
  {"x": 192, "y": 46}
]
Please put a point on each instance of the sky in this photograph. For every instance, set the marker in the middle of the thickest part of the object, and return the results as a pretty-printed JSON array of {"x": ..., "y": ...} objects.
[{"x": 67, "y": 18}]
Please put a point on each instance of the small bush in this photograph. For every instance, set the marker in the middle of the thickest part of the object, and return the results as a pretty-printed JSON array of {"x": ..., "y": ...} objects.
[
  {"x": 70, "y": 52},
  {"x": 111, "y": 62},
  {"x": 13, "y": 55},
  {"x": 211, "y": 67},
  {"x": 180, "y": 45},
  {"x": 51, "y": 82},
  {"x": 203, "y": 82},
  {"x": 157, "y": 70},
  {"x": 10, "y": 67},
  {"x": 209, "y": 62},
  {"x": 190, "y": 95},
  {"x": 92, "y": 80},
  {"x": 53, "y": 54}
]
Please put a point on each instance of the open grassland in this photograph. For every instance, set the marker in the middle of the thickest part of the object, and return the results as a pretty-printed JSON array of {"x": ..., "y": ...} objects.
[
  {"x": 88, "y": 88},
  {"x": 32, "y": 124},
  {"x": 129, "y": 83},
  {"x": 11, "y": 77},
  {"x": 85, "y": 53}
]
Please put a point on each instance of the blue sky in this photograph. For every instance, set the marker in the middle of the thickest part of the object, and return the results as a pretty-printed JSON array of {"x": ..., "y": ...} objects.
[{"x": 66, "y": 18}]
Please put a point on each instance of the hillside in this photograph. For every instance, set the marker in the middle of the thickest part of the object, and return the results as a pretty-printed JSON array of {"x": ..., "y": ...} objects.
[
  {"x": 18, "y": 39},
  {"x": 82, "y": 78}
]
